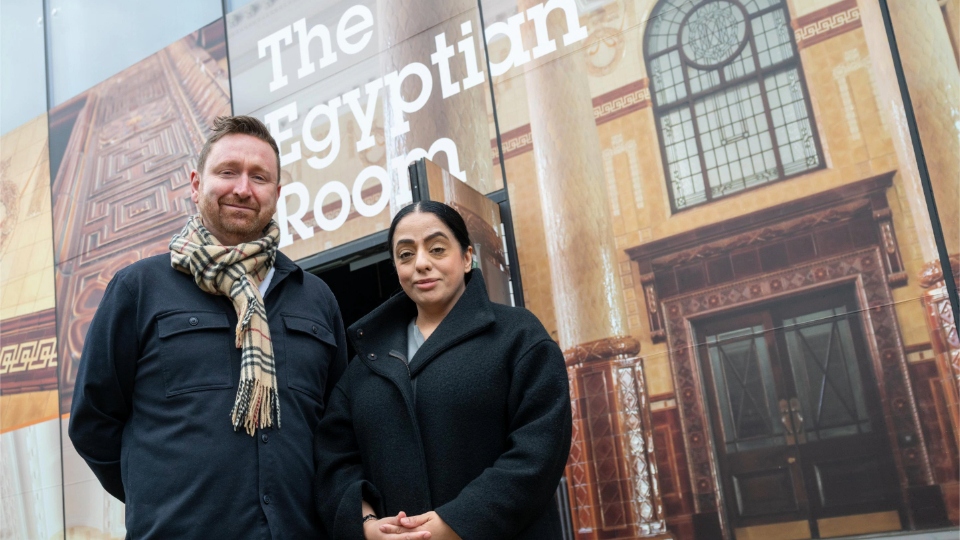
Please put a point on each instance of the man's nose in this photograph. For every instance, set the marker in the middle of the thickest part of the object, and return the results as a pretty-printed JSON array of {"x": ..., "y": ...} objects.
[{"x": 241, "y": 187}]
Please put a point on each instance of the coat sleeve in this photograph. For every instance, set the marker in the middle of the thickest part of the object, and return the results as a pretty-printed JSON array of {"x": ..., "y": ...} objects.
[
  {"x": 103, "y": 393},
  {"x": 511, "y": 494},
  {"x": 339, "y": 486},
  {"x": 339, "y": 363}
]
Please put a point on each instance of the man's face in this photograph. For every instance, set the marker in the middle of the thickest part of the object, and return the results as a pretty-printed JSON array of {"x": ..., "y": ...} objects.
[{"x": 238, "y": 188}]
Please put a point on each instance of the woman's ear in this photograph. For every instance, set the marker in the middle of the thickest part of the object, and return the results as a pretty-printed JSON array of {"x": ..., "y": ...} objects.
[{"x": 467, "y": 259}]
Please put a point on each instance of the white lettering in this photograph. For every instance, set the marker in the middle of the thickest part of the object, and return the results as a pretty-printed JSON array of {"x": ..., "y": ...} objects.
[
  {"x": 467, "y": 47},
  {"x": 332, "y": 187},
  {"x": 441, "y": 59},
  {"x": 304, "y": 38},
  {"x": 364, "y": 117},
  {"x": 331, "y": 140},
  {"x": 284, "y": 218},
  {"x": 445, "y": 145},
  {"x": 399, "y": 106},
  {"x": 517, "y": 55},
  {"x": 345, "y": 32},
  {"x": 538, "y": 14},
  {"x": 370, "y": 210},
  {"x": 272, "y": 42},
  {"x": 272, "y": 120}
]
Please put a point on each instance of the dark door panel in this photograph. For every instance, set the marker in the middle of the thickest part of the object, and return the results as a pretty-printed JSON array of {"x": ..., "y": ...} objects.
[
  {"x": 850, "y": 476},
  {"x": 795, "y": 412}
]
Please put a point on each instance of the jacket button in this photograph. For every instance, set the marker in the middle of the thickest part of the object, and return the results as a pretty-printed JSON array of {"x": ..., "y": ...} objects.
[
  {"x": 264, "y": 437},
  {"x": 313, "y": 329},
  {"x": 194, "y": 321},
  {"x": 360, "y": 332},
  {"x": 372, "y": 356},
  {"x": 266, "y": 499}
]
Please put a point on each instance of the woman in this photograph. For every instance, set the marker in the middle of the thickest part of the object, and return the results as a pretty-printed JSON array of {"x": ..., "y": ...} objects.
[{"x": 455, "y": 411}]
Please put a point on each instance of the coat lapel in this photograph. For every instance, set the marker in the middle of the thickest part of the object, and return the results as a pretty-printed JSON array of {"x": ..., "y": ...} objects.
[
  {"x": 385, "y": 329},
  {"x": 471, "y": 315},
  {"x": 380, "y": 339}
]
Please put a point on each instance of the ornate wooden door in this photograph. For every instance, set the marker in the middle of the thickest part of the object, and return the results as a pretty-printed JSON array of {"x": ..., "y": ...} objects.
[{"x": 795, "y": 411}]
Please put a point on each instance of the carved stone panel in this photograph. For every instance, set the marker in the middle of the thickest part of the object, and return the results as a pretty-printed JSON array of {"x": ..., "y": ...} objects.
[{"x": 122, "y": 153}]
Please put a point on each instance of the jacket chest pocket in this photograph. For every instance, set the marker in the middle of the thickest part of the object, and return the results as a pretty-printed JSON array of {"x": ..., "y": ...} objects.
[
  {"x": 195, "y": 351},
  {"x": 309, "y": 348}
]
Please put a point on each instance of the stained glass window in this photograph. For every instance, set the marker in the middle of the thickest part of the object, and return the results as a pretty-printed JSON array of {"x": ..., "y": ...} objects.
[{"x": 729, "y": 97}]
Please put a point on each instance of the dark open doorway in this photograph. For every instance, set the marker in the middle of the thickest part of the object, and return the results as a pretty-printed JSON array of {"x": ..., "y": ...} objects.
[{"x": 360, "y": 284}]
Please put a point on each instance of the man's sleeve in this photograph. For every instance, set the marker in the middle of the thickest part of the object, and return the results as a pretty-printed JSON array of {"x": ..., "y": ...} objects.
[
  {"x": 508, "y": 496},
  {"x": 103, "y": 393},
  {"x": 339, "y": 363}
]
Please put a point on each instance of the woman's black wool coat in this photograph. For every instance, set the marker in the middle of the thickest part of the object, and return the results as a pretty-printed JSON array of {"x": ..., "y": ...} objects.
[{"x": 477, "y": 427}]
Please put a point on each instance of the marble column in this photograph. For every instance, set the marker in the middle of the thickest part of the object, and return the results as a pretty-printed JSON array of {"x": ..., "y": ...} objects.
[
  {"x": 933, "y": 80},
  {"x": 891, "y": 105},
  {"x": 611, "y": 471}
]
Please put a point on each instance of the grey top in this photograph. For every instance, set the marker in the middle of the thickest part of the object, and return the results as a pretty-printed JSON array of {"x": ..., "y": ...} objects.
[{"x": 414, "y": 339}]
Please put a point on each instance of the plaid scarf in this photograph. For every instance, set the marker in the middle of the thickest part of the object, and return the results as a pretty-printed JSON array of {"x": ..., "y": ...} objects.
[{"x": 236, "y": 272}]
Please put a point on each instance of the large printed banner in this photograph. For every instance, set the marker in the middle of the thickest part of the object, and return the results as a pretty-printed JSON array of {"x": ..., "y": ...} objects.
[{"x": 718, "y": 215}]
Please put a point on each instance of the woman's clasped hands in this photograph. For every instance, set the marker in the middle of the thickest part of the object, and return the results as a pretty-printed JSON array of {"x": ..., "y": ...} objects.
[{"x": 428, "y": 526}]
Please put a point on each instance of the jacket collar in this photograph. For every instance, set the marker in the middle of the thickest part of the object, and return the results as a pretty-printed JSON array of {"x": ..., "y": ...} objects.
[
  {"x": 284, "y": 267},
  {"x": 384, "y": 330}
]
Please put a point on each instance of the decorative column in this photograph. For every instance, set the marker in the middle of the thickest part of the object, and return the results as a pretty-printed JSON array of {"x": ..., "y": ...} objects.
[
  {"x": 943, "y": 334},
  {"x": 408, "y": 32},
  {"x": 611, "y": 471},
  {"x": 933, "y": 80},
  {"x": 612, "y": 468},
  {"x": 891, "y": 106}
]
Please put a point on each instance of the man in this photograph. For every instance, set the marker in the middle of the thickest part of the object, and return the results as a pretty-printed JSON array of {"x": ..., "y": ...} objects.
[{"x": 206, "y": 370}]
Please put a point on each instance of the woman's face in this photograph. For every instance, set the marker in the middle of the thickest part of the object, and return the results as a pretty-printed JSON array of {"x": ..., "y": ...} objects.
[{"x": 429, "y": 262}]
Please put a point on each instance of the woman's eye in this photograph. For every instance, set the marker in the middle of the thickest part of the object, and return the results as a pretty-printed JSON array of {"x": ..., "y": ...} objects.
[
  {"x": 404, "y": 255},
  {"x": 437, "y": 250}
]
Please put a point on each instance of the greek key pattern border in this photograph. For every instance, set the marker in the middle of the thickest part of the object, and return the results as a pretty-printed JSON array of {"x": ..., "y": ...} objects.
[{"x": 826, "y": 23}]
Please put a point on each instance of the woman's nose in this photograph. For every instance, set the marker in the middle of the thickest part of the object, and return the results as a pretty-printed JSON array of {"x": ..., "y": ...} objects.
[{"x": 423, "y": 260}]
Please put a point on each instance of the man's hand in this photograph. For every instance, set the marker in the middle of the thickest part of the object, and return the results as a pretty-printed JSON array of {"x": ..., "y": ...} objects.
[
  {"x": 389, "y": 528},
  {"x": 429, "y": 522}
]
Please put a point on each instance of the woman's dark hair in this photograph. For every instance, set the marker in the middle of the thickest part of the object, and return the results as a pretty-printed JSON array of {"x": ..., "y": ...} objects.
[{"x": 447, "y": 215}]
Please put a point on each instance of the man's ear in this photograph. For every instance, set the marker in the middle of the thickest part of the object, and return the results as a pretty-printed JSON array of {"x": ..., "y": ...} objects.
[{"x": 195, "y": 186}]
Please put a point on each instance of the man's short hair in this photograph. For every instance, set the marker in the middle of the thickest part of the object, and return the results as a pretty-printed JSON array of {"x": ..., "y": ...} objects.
[{"x": 246, "y": 125}]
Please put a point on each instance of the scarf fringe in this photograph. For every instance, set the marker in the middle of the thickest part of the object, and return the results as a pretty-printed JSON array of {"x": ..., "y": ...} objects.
[{"x": 255, "y": 407}]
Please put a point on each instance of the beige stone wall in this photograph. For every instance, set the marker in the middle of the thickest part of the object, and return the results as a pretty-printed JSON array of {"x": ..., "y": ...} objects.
[{"x": 26, "y": 246}]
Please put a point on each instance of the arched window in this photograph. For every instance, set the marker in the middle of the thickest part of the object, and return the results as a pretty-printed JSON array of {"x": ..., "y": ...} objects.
[{"x": 729, "y": 97}]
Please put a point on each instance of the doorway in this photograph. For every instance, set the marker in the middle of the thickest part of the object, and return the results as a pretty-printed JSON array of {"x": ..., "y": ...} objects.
[
  {"x": 360, "y": 283},
  {"x": 796, "y": 417}
]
